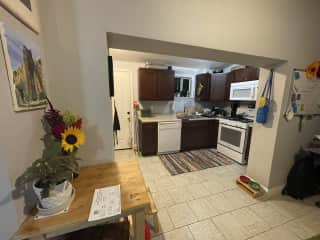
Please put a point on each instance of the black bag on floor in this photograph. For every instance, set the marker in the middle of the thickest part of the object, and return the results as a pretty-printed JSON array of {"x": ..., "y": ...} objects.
[{"x": 302, "y": 178}]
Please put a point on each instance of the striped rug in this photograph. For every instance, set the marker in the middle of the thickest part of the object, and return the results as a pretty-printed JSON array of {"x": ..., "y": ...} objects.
[{"x": 195, "y": 160}]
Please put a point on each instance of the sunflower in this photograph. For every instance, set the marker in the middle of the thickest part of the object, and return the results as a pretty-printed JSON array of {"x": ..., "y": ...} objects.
[
  {"x": 72, "y": 138},
  {"x": 312, "y": 70}
]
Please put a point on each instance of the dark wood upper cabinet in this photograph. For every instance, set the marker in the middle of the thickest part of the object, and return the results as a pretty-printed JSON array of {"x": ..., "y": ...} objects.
[
  {"x": 203, "y": 82},
  {"x": 218, "y": 87},
  {"x": 165, "y": 84},
  {"x": 220, "y": 83},
  {"x": 148, "y": 138},
  {"x": 246, "y": 74},
  {"x": 156, "y": 84},
  {"x": 147, "y": 84}
]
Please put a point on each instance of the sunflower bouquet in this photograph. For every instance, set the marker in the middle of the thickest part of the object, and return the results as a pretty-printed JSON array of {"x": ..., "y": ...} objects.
[
  {"x": 58, "y": 164},
  {"x": 313, "y": 70}
]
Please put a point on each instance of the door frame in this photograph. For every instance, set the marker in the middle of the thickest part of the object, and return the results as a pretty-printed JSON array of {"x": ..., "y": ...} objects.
[{"x": 116, "y": 69}]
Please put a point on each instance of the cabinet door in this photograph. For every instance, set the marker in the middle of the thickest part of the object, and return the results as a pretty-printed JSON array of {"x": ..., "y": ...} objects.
[
  {"x": 194, "y": 134},
  {"x": 203, "y": 87},
  {"x": 251, "y": 74},
  {"x": 148, "y": 87},
  {"x": 213, "y": 133},
  {"x": 246, "y": 74},
  {"x": 218, "y": 87},
  {"x": 148, "y": 138},
  {"x": 165, "y": 80},
  {"x": 239, "y": 75}
]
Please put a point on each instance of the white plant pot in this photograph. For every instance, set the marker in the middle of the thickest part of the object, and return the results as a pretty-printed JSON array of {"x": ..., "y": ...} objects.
[{"x": 57, "y": 197}]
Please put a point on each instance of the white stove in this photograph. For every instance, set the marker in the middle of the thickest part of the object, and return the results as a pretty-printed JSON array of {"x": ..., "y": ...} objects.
[
  {"x": 233, "y": 138},
  {"x": 234, "y": 123}
]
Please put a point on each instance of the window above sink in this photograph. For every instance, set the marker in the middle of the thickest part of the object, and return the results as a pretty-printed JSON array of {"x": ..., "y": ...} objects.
[{"x": 183, "y": 86}]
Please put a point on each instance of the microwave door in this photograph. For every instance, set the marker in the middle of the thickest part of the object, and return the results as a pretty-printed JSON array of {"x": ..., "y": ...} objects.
[
  {"x": 232, "y": 137},
  {"x": 241, "y": 93}
]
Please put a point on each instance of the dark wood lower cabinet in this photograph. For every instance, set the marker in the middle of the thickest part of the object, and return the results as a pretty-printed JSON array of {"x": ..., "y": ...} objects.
[
  {"x": 213, "y": 133},
  {"x": 197, "y": 134},
  {"x": 148, "y": 138}
]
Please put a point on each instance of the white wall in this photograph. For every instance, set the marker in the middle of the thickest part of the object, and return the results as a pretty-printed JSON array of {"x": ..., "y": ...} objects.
[
  {"x": 9, "y": 223},
  {"x": 75, "y": 38},
  {"x": 78, "y": 74},
  {"x": 20, "y": 141}
]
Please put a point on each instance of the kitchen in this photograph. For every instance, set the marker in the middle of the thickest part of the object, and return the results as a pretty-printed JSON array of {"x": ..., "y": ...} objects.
[{"x": 183, "y": 107}]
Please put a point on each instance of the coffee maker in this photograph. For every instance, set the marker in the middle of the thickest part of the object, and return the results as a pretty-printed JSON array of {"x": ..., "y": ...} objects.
[{"x": 234, "y": 107}]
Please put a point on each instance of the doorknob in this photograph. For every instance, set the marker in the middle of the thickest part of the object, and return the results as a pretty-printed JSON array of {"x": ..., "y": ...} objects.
[{"x": 128, "y": 113}]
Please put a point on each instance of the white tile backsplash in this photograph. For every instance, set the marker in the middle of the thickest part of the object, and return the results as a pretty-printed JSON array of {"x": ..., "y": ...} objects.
[
  {"x": 168, "y": 107},
  {"x": 179, "y": 104},
  {"x": 158, "y": 107}
]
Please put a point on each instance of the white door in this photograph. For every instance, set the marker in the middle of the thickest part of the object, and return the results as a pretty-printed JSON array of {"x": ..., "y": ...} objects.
[{"x": 122, "y": 97}]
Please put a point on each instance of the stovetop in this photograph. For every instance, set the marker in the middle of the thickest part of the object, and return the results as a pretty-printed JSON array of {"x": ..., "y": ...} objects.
[{"x": 240, "y": 119}]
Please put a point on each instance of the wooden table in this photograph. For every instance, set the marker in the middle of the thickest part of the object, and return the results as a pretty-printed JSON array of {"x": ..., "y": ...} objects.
[{"x": 134, "y": 200}]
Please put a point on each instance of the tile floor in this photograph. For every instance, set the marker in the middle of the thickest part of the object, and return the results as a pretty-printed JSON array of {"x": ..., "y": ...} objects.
[{"x": 208, "y": 205}]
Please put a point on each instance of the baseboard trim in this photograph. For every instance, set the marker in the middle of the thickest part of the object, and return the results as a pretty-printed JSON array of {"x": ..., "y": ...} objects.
[
  {"x": 270, "y": 192},
  {"x": 275, "y": 191}
]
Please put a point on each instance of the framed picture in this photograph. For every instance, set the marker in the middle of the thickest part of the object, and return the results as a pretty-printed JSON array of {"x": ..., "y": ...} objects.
[
  {"x": 24, "y": 68},
  {"x": 24, "y": 10}
]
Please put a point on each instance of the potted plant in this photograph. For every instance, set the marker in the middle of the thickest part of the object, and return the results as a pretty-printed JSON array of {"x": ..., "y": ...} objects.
[{"x": 52, "y": 174}]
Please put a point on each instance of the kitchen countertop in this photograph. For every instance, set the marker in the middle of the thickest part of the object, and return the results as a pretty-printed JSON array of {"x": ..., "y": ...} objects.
[
  {"x": 159, "y": 118},
  {"x": 171, "y": 117},
  {"x": 202, "y": 118}
]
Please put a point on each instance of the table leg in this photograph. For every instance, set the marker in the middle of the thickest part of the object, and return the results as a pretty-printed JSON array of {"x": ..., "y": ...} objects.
[{"x": 138, "y": 220}]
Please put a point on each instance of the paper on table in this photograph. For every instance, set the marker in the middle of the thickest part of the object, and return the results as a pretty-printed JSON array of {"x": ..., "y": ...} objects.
[{"x": 106, "y": 203}]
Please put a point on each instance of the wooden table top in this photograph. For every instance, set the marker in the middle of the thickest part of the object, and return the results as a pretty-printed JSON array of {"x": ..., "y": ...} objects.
[{"x": 134, "y": 197}]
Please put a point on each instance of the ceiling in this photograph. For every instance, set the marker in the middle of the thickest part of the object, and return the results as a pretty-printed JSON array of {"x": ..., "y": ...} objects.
[{"x": 159, "y": 59}]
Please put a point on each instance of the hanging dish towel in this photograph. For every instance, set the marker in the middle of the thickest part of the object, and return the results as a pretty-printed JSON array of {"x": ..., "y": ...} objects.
[
  {"x": 265, "y": 101},
  {"x": 116, "y": 125}
]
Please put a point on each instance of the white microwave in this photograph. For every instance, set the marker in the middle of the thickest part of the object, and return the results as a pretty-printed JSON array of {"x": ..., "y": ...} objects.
[{"x": 244, "y": 91}]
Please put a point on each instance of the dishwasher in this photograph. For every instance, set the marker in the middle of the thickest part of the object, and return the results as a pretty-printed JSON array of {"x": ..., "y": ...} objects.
[{"x": 169, "y": 136}]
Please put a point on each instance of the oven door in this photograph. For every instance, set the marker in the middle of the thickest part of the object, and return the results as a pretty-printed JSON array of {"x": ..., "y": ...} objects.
[{"x": 232, "y": 137}]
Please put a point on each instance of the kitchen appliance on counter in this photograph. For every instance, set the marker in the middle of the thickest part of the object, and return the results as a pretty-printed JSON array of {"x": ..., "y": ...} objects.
[
  {"x": 244, "y": 91},
  {"x": 233, "y": 138},
  {"x": 234, "y": 108},
  {"x": 169, "y": 136},
  {"x": 215, "y": 112}
]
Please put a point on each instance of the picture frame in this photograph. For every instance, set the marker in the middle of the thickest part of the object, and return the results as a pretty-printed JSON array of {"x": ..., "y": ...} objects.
[
  {"x": 25, "y": 11},
  {"x": 24, "y": 70}
]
